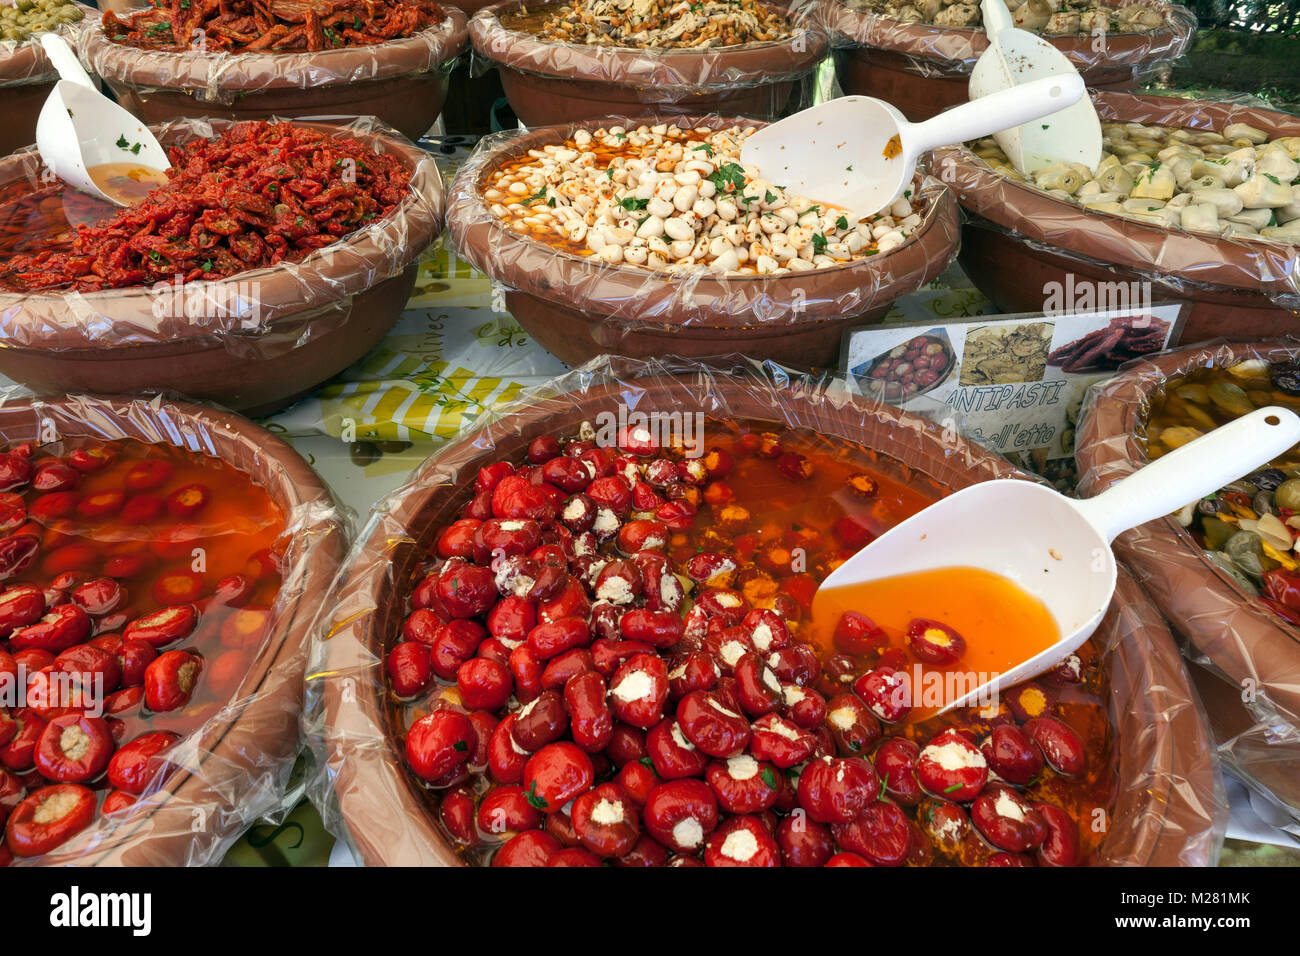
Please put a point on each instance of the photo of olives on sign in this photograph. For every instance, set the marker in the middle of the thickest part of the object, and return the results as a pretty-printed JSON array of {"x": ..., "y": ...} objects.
[{"x": 913, "y": 368}]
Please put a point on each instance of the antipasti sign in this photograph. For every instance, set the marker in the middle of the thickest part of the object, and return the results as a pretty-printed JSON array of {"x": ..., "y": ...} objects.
[{"x": 1011, "y": 382}]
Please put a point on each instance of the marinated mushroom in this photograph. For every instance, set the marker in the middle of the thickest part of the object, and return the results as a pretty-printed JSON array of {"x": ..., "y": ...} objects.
[
  {"x": 1050, "y": 17},
  {"x": 1236, "y": 182}
]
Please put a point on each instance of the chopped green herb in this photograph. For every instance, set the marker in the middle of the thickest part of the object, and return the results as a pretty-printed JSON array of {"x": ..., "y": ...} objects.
[
  {"x": 153, "y": 254},
  {"x": 135, "y": 148},
  {"x": 1274, "y": 178},
  {"x": 207, "y": 265},
  {"x": 907, "y": 194},
  {"x": 620, "y": 135},
  {"x": 632, "y": 204},
  {"x": 769, "y": 197},
  {"x": 1045, "y": 126},
  {"x": 540, "y": 194},
  {"x": 122, "y": 143},
  {"x": 707, "y": 147},
  {"x": 460, "y": 746},
  {"x": 819, "y": 243},
  {"x": 848, "y": 169},
  {"x": 297, "y": 220},
  {"x": 551, "y": 202},
  {"x": 769, "y": 777},
  {"x": 536, "y": 802},
  {"x": 842, "y": 222},
  {"x": 955, "y": 787},
  {"x": 729, "y": 174}
]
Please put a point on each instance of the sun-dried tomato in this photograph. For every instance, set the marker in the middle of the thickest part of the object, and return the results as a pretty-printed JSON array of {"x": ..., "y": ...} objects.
[
  {"x": 249, "y": 26},
  {"x": 256, "y": 195}
]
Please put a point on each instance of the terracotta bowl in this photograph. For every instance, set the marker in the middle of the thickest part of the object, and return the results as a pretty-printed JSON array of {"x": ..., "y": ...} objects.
[
  {"x": 402, "y": 82},
  {"x": 577, "y": 308},
  {"x": 1157, "y": 821},
  {"x": 26, "y": 78},
  {"x": 923, "y": 69},
  {"x": 1018, "y": 240},
  {"x": 310, "y": 320},
  {"x": 548, "y": 82},
  {"x": 253, "y": 742},
  {"x": 1239, "y": 637}
]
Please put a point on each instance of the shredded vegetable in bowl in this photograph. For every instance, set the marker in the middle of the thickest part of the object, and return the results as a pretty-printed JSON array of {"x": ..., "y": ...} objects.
[
  {"x": 665, "y": 198},
  {"x": 664, "y": 24}
]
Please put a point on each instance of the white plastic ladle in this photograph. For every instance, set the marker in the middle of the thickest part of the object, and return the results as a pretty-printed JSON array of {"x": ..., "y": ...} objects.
[
  {"x": 1058, "y": 548},
  {"x": 80, "y": 128},
  {"x": 1014, "y": 57},
  {"x": 859, "y": 153}
]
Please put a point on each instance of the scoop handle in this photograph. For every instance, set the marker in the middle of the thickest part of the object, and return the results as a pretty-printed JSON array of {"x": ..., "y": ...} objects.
[
  {"x": 65, "y": 61},
  {"x": 1201, "y": 467},
  {"x": 997, "y": 111},
  {"x": 996, "y": 17}
]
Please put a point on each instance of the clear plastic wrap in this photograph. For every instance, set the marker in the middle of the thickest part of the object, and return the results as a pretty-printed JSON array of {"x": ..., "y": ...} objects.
[
  {"x": 248, "y": 341},
  {"x": 554, "y": 82},
  {"x": 1255, "y": 652},
  {"x": 933, "y": 51},
  {"x": 221, "y": 78},
  {"x": 1170, "y": 805},
  {"x": 1018, "y": 238},
  {"x": 579, "y": 307},
  {"x": 234, "y": 769}
]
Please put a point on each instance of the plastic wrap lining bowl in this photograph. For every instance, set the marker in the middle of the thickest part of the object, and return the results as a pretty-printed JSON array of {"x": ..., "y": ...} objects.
[
  {"x": 402, "y": 82},
  {"x": 924, "y": 69},
  {"x": 1240, "y": 638},
  {"x": 250, "y": 745},
  {"x": 285, "y": 328},
  {"x": 548, "y": 82},
  {"x": 1161, "y": 820},
  {"x": 1019, "y": 240},
  {"x": 579, "y": 307}
]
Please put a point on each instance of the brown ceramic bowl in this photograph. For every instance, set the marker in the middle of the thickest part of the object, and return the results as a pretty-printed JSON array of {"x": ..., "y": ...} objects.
[
  {"x": 1157, "y": 819},
  {"x": 923, "y": 69},
  {"x": 548, "y": 82},
  {"x": 248, "y": 743},
  {"x": 26, "y": 78},
  {"x": 1239, "y": 637},
  {"x": 312, "y": 320},
  {"x": 1230, "y": 285},
  {"x": 402, "y": 82},
  {"x": 577, "y": 308}
]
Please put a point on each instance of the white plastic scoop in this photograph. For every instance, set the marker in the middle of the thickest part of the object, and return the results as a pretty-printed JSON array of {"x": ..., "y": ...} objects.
[
  {"x": 79, "y": 128},
  {"x": 1058, "y": 548},
  {"x": 1014, "y": 57},
  {"x": 859, "y": 153}
]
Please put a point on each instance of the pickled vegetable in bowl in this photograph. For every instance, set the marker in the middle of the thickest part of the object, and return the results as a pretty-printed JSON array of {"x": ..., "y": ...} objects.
[
  {"x": 1250, "y": 528},
  {"x": 1036, "y": 16},
  {"x": 637, "y": 679},
  {"x": 1235, "y": 182},
  {"x": 24, "y": 20},
  {"x": 136, "y": 586},
  {"x": 663, "y": 198}
]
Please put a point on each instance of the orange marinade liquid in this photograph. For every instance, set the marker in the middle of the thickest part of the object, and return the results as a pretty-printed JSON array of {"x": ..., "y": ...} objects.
[{"x": 1003, "y": 624}]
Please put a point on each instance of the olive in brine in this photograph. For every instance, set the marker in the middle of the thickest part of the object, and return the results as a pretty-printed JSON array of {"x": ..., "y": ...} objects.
[
  {"x": 1287, "y": 495},
  {"x": 1262, "y": 503},
  {"x": 1286, "y": 378},
  {"x": 1268, "y": 479}
]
